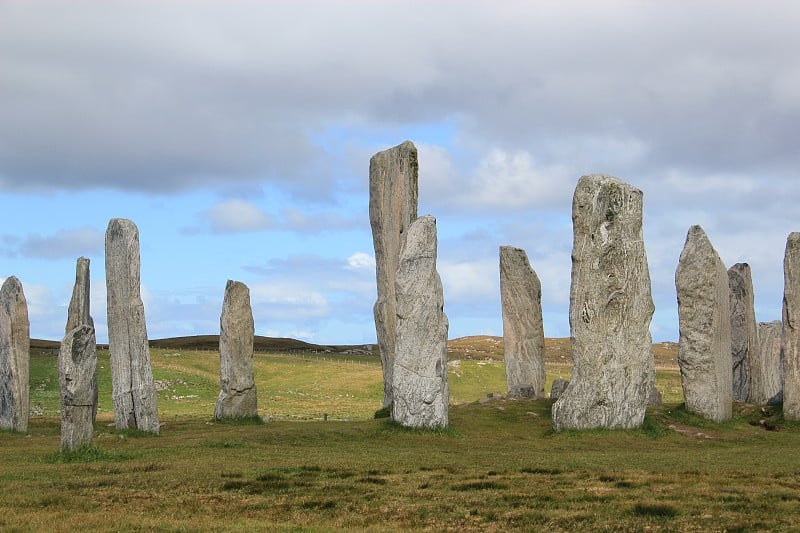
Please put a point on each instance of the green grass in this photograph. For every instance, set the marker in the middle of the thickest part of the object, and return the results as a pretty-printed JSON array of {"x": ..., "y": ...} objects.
[{"x": 498, "y": 467}]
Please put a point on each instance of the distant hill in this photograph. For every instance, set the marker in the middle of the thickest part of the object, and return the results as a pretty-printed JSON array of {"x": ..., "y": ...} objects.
[{"x": 473, "y": 347}]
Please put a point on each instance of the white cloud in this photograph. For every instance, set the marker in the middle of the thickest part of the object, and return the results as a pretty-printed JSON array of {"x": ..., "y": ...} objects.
[
  {"x": 361, "y": 261},
  {"x": 236, "y": 216}
]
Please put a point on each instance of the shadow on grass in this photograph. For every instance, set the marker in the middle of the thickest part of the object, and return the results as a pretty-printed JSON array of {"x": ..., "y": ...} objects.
[
  {"x": 86, "y": 453},
  {"x": 240, "y": 421},
  {"x": 390, "y": 426}
]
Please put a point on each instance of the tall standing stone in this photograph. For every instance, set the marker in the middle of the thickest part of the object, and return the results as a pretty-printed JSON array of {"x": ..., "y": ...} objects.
[
  {"x": 237, "y": 395},
  {"x": 420, "y": 392},
  {"x": 15, "y": 343},
  {"x": 791, "y": 328},
  {"x": 78, "y": 313},
  {"x": 610, "y": 310},
  {"x": 393, "y": 191},
  {"x": 77, "y": 371},
  {"x": 768, "y": 386},
  {"x": 704, "y": 315},
  {"x": 744, "y": 331},
  {"x": 133, "y": 388},
  {"x": 523, "y": 330}
]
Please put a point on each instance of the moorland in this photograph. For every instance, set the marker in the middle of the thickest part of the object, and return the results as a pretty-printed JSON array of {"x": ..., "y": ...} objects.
[{"x": 318, "y": 460}]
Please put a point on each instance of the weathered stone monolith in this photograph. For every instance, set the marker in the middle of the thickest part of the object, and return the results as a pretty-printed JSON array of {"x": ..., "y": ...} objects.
[
  {"x": 704, "y": 316},
  {"x": 610, "y": 310},
  {"x": 78, "y": 313},
  {"x": 523, "y": 331},
  {"x": 237, "y": 395},
  {"x": 419, "y": 389},
  {"x": 768, "y": 387},
  {"x": 791, "y": 328},
  {"x": 393, "y": 178},
  {"x": 77, "y": 372},
  {"x": 744, "y": 331},
  {"x": 133, "y": 388},
  {"x": 15, "y": 343}
]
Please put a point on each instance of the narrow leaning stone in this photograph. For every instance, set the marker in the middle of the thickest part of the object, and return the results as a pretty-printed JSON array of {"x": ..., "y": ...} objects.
[
  {"x": 791, "y": 328},
  {"x": 79, "y": 314},
  {"x": 704, "y": 316},
  {"x": 133, "y": 389},
  {"x": 768, "y": 388},
  {"x": 744, "y": 332},
  {"x": 15, "y": 343},
  {"x": 237, "y": 395},
  {"x": 77, "y": 371},
  {"x": 523, "y": 330},
  {"x": 420, "y": 392},
  {"x": 610, "y": 310},
  {"x": 393, "y": 191}
]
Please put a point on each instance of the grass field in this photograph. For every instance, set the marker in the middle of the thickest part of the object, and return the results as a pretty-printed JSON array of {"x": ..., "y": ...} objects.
[{"x": 499, "y": 466}]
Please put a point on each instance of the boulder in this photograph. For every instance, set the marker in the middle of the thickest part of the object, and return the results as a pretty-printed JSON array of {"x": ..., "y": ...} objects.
[
  {"x": 393, "y": 191},
  {"x": 744, "y": 332},
  {"x": 15, "y": 343},
  {"x": 133, "y": 388},
  {"x": 419, "y": 388},
  {"x": 237, "y": 395},
  {"x": 77, "y": 375},
  {"x": 704, "y": 316},
  {"x": 791, "y": 328},
  {"x": 610, "y": 310},
  {"x": 523, "y": 332}
]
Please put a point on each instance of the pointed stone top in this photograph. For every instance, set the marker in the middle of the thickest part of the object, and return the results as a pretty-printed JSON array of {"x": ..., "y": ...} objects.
[
  {"x": 11, "y": 288},
  {"x": 120, "y": 223},
  {"x": 406, "y": 147},
  {"x": 421, "y": 239}
]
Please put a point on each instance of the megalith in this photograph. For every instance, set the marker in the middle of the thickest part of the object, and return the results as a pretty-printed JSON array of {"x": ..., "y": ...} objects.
[
  {"x": 15, "y": 343},
  {"x": 768, "y": 386},
  {"x": 77, "y": 372},
  {"x": 791, "y": 328},
  {"x": 704, "y": 318},
  {"x": 523, "y": 331},
  {"x": 78, "y": 314},
  {"x": 744, "y": 331},
  {"x": 237, "y": 395},
  {"x": 393, "y": 191},
  {"x": 610, "y": 310},
  {"x": 133, "y": 388},
  {"x": 419, "y": 388}
]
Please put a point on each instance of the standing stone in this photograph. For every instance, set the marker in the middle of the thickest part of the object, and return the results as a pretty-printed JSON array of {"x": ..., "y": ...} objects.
[
  {"x": 133, "y": 389},
  {"x": 744, "y": 331},
  {"x": 523, "y": 332},
  {"x": 15, "y": 343},
  {"x": 77, "y": 371},
  {"x": 768, "y": 388},
  {"x": 791, "y": 328},
  {"x": 237, "y": 395},
  {"x": 704, "y": 316},
  {"x": 610, "y": 310},
  {"x": 393, "y": 177},
  {"x": 557, "y": 388},
  {"x": 420, "y": 392},
  {"x": 78, "y": 313}
]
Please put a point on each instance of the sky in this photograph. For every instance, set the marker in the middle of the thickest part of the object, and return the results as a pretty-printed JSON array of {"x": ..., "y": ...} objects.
[{"x": 237, "y": 136}]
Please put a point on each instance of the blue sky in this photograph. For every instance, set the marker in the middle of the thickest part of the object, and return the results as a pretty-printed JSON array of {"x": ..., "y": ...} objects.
[{"x": 237, "y": 136}]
